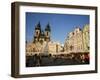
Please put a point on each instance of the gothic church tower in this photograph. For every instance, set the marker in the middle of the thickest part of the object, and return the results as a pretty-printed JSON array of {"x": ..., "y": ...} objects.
[
  {"x": 40, "y": 35},
  {"x": 47, "y": 33},
  {"x": 37, "y": 32}
]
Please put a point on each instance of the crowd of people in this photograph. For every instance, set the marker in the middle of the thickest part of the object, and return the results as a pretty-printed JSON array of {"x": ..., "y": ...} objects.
[{"x": 62, "y": 59}]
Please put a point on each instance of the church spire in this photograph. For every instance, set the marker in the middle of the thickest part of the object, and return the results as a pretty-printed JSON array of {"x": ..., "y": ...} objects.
[
  {"x": 38, "y": 26},
  {"x": 47, "y": 32},
  {"x": 48, "y": 27},
  {"x": 37, "y": 32}
]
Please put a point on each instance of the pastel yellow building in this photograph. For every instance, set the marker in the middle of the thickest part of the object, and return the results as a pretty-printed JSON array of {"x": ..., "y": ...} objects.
[{"x": 86, "y": 38}]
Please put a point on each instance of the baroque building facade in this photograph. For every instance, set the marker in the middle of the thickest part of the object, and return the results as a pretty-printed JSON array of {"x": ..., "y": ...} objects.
[{"x": 78, "y": 40}]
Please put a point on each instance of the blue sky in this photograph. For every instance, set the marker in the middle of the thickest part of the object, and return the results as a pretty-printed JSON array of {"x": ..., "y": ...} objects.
[{"x": 61, "y": 24}]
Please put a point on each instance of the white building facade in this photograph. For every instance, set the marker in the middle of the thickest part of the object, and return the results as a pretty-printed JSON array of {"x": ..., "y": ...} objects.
[{"x": 77, "y": 40}]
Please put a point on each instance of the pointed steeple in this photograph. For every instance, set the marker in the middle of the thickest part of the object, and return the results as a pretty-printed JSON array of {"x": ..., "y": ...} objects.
[
  {"x": 38, "y": 26},
  {"x": 48, "y": 27}
]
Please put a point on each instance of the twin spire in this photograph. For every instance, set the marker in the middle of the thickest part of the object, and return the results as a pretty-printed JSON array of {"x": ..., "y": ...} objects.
[
  {"x": 41, "y": 34},
  {"x": 47, "y": 28}
]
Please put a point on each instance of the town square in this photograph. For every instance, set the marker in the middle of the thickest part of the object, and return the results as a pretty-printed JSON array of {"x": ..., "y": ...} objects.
[{"x": 47, "y": 44}]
